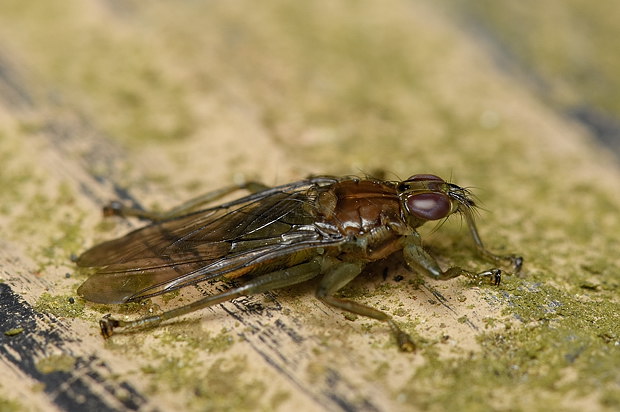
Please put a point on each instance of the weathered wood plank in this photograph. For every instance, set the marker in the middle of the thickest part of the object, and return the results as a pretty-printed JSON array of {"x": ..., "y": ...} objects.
[{"x": 154, "y": 103}]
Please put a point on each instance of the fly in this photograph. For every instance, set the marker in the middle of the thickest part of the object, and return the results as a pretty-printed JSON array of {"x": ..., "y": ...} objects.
[{"x": 278, "y": 237}]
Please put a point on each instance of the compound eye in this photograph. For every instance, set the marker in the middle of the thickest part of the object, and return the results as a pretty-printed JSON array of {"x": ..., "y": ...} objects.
[
  {"x": 417, "y": 178},
  {"x": 429, "y": 206}
]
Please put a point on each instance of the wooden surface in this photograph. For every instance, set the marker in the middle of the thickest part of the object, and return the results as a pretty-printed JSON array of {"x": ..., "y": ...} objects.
[{"x": 153, "y": 103}]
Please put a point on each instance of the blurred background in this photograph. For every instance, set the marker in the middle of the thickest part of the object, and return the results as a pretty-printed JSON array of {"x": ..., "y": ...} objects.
[{"x": 361, "y": 82}]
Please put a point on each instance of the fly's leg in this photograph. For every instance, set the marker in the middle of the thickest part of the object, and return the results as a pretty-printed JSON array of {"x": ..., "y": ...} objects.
[
  {"x": 421, "y": 261},
  {"x": 337, "y": 275},
  {"x": 270, "y": 281},
  {"x": 513, "y": 260},
  {"x": 116, "y": 208}
]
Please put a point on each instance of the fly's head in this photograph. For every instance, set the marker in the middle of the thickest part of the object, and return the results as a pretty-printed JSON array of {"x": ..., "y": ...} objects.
[{"x": 427, "y": 197}]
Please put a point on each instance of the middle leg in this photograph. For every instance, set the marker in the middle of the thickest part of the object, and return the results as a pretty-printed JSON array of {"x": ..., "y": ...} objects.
[{"x": 337, "y": 275}]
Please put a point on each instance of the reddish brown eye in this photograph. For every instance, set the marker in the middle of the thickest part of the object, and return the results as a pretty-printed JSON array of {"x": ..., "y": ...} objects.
[
  {"x": 417, "y": 178},
  {"x": 429, "y": 206}
]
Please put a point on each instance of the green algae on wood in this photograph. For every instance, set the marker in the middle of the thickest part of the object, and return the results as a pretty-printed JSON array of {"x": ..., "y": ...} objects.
[
  {"x": 60, "y": 305},
  {"x": 56, "y": 363}
]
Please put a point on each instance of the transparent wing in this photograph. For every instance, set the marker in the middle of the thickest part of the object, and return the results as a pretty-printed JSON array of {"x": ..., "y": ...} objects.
[{"x": 262, "y": 231}]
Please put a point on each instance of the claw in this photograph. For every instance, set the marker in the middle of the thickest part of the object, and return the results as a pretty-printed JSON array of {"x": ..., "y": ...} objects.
[
  {"x": 114, "y": 208},
  {"x": 497, "y": 276},
  {"x": 107, "y": 325},
  {"x": 405, "y": 344},
  {"x": 492, "y": 275}
]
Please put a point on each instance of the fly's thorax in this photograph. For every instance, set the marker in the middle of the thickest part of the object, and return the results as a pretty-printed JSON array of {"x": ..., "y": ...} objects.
[
  {"x": 376, "y": 244},
  {"x": 357, "y": 207}
]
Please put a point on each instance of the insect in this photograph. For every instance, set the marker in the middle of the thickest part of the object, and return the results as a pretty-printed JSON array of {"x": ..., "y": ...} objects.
[{"x": 277, "y": 237}]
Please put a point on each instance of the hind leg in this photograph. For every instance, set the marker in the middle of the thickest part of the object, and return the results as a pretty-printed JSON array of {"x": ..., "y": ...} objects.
[
  {"x": 270, "y": 281},
  {"x": 116, "y": 208}
]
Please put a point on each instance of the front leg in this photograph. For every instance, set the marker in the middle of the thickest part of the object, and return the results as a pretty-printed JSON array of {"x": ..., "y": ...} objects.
[
  {"x": 514, "y": 260},
  {"x": 418, "y": 259}
]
